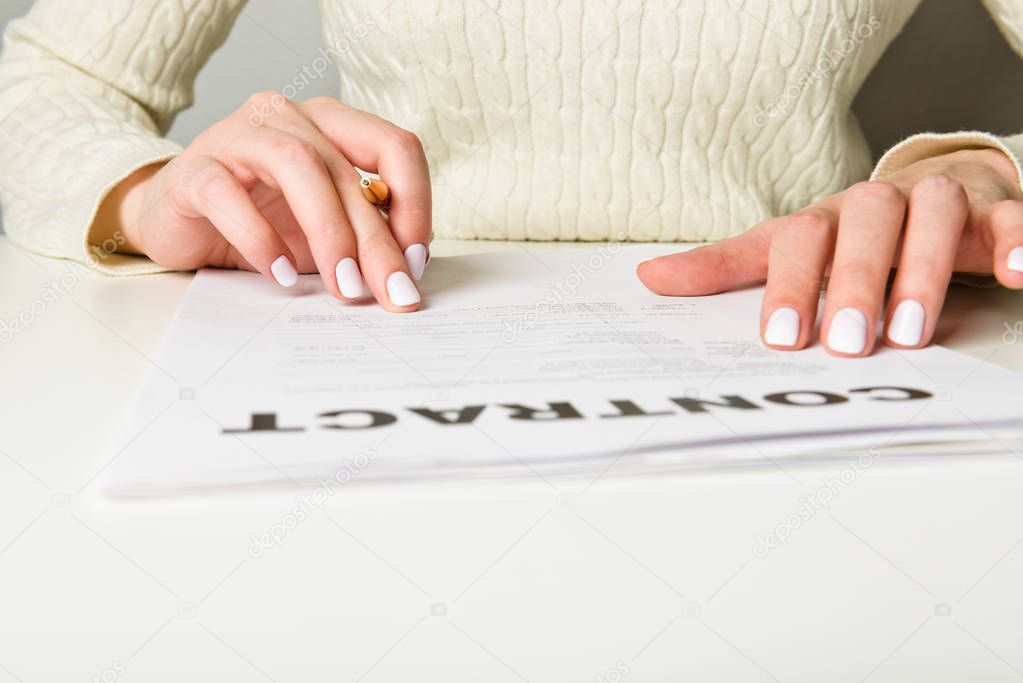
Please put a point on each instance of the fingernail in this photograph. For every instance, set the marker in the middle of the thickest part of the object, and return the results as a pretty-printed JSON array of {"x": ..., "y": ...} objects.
[
  {"x": 907, "y": 325},
  {"x": 782, "y": 327},
  {"x": 283, "y": 271},
  {"x": 415, "y": 256},
  {"x": 349, "y": 279},
  {"x": 401, "y": 290},
  {"x": 1016, "y": 260},
  {"x": 848, "y": 332}
]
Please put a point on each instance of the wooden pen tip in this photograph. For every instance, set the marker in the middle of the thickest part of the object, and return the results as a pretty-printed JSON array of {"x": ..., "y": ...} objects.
[{"x": 375, "y": 191}]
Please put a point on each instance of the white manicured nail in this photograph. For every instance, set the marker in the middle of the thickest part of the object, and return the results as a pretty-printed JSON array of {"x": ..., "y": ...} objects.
[
  {"x": 782, "y": 327},
  {"x": 848, "y": 332},
  {"x": 1016, "y": 260},
  {"x": 401, "y": 290},
  {"x": 283, "y": 271},
  {"x": 907, "y": 325},
  {"x": 415, "y": 256},
  {"x": 349, "y": 279}
]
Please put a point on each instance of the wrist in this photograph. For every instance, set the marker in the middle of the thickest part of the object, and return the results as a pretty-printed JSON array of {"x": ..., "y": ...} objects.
[
  {"x": 1002, "y": 164},
  {"x": 117, "y": 227},
  {"x": 994, "y": 159}
]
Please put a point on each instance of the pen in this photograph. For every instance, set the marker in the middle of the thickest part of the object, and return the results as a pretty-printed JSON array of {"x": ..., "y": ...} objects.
[{"x": 376, "y": 192}]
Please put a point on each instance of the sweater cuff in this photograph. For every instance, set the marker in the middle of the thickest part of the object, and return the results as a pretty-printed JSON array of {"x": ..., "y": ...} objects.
[
  {"x": 128, "y": 156},
  {"x": 927, "y": 145}
]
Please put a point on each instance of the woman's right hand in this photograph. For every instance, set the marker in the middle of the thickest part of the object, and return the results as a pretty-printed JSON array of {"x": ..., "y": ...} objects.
[{"x": 273, "y": 188}]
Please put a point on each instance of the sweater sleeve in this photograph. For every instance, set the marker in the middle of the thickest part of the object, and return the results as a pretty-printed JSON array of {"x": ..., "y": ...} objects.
[
  {"x": 1008, "y": 15},
  {"x": 87, "y": 92}
]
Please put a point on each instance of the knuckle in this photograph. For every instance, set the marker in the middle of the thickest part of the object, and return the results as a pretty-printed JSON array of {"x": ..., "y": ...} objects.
[
  {"x": 214, "y": 180},
  {"x": 265, "y": 97},
  {"x": 806, "y": 221},
  {"x": 940, "y": 184},
  {"x": 217, "y": 184},
  {"x": 322, "y": 103},
  {"x": 768, "y": 229},
  {"x": 264, "y": 105},
  {"x": 295, "y": 150},
  {"x": 374, "y": 243},
  {"x": 722, "y": 262},
  {"x": 406, "y": 142},
  {"x": 190, "y": 164},
  {"x": 335, "y": 226},
  {"x": 918, "y": 264},
  {"x": 877, "y": 191},
  {"x": 853, "y": 276}
]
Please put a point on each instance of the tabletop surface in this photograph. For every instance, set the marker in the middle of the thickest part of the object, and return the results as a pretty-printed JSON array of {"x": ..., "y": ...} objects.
[{"x": 910, "y": 572}]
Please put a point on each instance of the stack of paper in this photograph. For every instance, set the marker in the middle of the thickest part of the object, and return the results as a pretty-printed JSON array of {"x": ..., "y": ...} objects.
[{"x": 535, "y": 363}]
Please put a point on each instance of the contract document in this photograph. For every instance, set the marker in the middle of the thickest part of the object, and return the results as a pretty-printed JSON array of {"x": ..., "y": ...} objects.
[{"x": 538, "y": 362}]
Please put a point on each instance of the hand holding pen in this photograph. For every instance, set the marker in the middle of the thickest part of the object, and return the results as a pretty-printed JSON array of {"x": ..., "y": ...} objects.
[{"x": 274, "y": 188}]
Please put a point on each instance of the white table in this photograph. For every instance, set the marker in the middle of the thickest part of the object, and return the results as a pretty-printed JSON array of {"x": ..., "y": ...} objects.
[{"x": 914, "y": 573}]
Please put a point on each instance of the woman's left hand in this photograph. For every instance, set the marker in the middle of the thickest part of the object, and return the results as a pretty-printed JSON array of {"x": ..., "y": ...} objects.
[{"x": 957, "y": 212}]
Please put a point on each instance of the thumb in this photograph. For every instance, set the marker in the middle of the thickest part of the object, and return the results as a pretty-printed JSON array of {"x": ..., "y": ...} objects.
[
  {"x": 730, "y": 264},
  {"x": 1005, "y": 221}
]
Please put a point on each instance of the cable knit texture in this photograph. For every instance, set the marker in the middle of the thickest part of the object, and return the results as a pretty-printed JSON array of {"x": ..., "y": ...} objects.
[{"x": 666, "y": 120}]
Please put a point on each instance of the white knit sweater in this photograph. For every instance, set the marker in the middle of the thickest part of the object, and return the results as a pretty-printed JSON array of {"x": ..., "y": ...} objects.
[{"x": 575, "y": 120}]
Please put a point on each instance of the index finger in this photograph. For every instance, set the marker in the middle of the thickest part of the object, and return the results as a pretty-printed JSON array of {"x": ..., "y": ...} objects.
[
  {"x": 729, "y": 264},
  {"x": 375, "y": 145}
]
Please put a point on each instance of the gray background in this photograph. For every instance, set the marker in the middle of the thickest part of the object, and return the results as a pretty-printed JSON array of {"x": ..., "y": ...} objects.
[{"x": 950, "y": 69}]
